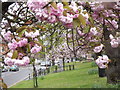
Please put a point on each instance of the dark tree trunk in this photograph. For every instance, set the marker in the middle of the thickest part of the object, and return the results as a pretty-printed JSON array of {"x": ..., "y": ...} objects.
[{"x": 113, "y": 70}]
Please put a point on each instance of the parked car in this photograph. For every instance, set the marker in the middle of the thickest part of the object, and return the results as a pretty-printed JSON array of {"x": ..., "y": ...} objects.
[{"x": 14, "y": 68}]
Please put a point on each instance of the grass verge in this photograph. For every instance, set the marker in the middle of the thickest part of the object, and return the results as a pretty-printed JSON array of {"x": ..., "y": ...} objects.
[{"x": 78, "y": 78}]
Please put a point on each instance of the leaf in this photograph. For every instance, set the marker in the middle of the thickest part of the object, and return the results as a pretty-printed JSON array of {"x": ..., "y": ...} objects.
[
  {"x": 21, "y": 29},
  {"x": 20, "y": 34},
  {"x": 15, "y": 54},
  {"x": 86, "y": 29},
  {"x": 82, "y": 19},
  {"x": 54, "y": 5},
  {"x": 48, "y": 9},
  {"x": 92, "y": 43},
  {"x": 28, "y": 47},
  {"x": 64, "y": 13},
  {"x": 68, "y": 8},
  {"x": 65, "y": 3},
  {"x": 91, "y": 21},
  {"x": 42, "y": 52},
  {"x": 76, "y": 22}
]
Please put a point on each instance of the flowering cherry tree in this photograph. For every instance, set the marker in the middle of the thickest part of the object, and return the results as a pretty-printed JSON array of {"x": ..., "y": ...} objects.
[
  {"x": 94, "y": 26},
  {"x": 98, "y": 22},
  {"x": 21, "y": 45}
]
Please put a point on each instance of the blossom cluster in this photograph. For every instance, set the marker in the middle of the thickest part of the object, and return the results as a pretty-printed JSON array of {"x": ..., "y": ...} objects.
[
  {"x": 53, "y": 14},
  {"x": 36, "y": 49},
  {"x": 102, "y": 61},
  {"x": 25, "y": 61},
  {"x": 15, "y": 44},
  {"x": 114, "y": 41},
  {"x": 97, "y": 49},
  {"x": 19, "y": 43},
  {"x": 32, "y": 34},
  {"x": 7, "y": 35},
  {"x": 100, "y": 12}
]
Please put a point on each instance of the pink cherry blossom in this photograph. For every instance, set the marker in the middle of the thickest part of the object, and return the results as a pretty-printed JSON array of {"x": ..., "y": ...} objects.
[
  {"x": 23, "y": 42},
  {"x": 20, "y": 54},
  {"x": 69, "y": 35},
  {"x": 95, "y": 15},
  {"x": 28, "y": 34},
  {"x": 13, "y": 46},
  {"x": 34, "y": 4},
  {"x": 111, "y": 36},
  {"x": 9, "y": 61},
  {"x": 58, "y": 11},
  {"x": 98, "y": 48},
  {"x": 93, "y": 31},
  {"x": 32, "y": 34},
  {"x": 36, "y": 39},
  {"x": 98, "y": 8},
  {"x": 7, "y": 35},
  {"x": 102, "y": 61},
  {"x": 114, "y": 23},
  {"x": 19, "y": 63},
  {"x": 36, "y": 49},
  {"x": 80, "y": 33},
  {"x": 114, "y": 43},
  {"x": 52, "y": 19},
  {"x": 68, "y": 25},
  {"x": 105, "y": 58},
  {"x": 74, "y": 6},
  {"x": 26, "y": 60},
  {"x": 66, "y": 19},
  {"x": 94, "y": 40},
  {"x": 9, "y": 54}
]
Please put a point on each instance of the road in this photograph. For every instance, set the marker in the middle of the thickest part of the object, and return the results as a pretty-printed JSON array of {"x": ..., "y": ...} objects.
[{"x": 13, "y": 77}]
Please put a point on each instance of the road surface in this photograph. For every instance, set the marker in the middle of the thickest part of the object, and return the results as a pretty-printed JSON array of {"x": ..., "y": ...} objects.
[{"x": 13, "y": 77}]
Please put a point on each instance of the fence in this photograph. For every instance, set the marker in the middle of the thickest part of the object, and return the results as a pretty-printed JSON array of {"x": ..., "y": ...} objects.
[
  {"x": 56, "y": 69},
  {"x": 42, "y": 72}
]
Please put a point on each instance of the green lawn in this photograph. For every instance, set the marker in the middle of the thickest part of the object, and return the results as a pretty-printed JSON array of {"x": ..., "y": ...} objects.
[{"x": 78, "y": 78}]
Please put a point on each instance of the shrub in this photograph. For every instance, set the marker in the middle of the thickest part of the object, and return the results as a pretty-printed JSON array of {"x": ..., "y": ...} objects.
[
  {"x": 42, "y": 77},
  {"x": 93, "y": 71},
  {"x": 93, "y": 64}
]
